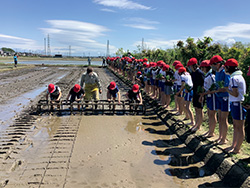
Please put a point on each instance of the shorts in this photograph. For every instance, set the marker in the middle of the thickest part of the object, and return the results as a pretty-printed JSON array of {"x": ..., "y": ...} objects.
[
  {"x": 178, "y": 89},
  {"x": 188, "y": 96},
  {"x": 168, "y": 90},
  {"x": 175, "y": 87},
  {"x": 162, "y": 86},
  {"x": 211, "y": 102},
  {"x": 148, "y": 82},
  {"x": 157, "y": 83},
  {"x": 152, "y": 81},
  {"x": 237, "y": 111},
  {"x": 53, "y": 98},
  {"x": 72, "y": 99},
  {"x": 196, "y": 102},
  {"x": 222, "y": 103}
]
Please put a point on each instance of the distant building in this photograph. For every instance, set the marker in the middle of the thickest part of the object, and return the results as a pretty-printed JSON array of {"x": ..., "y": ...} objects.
[{"x": 58, "y": 56}]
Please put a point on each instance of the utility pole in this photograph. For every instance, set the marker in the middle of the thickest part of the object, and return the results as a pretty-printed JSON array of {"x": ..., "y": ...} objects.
[
  {"x": 69, "y": 51},
  {"x": 48, "y": 49},
  {"x": 107, "y": 53},
  {"x": 45, "y": 46}
]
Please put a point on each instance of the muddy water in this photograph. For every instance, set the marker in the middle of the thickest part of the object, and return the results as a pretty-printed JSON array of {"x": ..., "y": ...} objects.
[{"x": 107, "y": 151}]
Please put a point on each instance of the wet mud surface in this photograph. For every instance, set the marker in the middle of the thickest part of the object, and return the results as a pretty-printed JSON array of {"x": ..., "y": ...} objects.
[{"x": 87, "y": 151}]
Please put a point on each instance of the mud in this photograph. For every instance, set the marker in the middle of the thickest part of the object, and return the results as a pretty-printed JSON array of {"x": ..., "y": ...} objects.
[{"x": 88, "y": 151}]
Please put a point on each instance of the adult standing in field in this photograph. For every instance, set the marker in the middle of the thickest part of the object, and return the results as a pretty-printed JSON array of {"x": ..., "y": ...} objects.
[
  {"x": 15, "y": 59},
  {"x": 198, "y": 81},
  {"x": 222, "y": 96},
  {"x": 89, "y": 61},
  {"x": 91, "y": 83},
  {"x": 103, "y": 61}
]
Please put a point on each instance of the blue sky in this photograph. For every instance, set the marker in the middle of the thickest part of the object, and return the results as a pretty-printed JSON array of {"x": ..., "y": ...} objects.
[{"x": 86, "y": 25}]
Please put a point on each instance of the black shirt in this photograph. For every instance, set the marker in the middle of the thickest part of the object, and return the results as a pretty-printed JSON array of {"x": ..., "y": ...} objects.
[
  {"x": 198, "y": 79},
  {"x": 74, "y": 94},
  {"x": 132, "y": 95}
]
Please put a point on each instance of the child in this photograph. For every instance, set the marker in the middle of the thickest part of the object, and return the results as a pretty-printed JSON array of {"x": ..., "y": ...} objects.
[
  {"x": 210, "y": 96},
  {"x": 179, "y": 96},
  {"x": 236, "y": 90},
  {"x": 55, "y": 94},
  {"x": 113, "y": 92},
  {"x": 140, "y": 79},
  {"x": 76, "y": 94},
  {"x": 186, "y": 80},
  {"x": 134, "y": 94},
  {"x": 221, "y": 97}
]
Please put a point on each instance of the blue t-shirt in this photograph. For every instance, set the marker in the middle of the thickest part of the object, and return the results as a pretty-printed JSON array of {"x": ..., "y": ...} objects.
[
  {"x": 15, "y": 58},
  {"x": 114, "y": 91},
  {"x": 222, "y": 76}
]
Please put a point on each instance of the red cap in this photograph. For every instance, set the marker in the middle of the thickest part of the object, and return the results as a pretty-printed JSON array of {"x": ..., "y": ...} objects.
[
  {"x": 165, "y": 66},
  {"x": 135, "y": 88},
  {"x": 192, "y": 61},
  {"x": 178, "y": 66},
  {"x": 145, "y": 59},
  {"x": 112, "y": 85},
  {"x": 248, "y": 74},
  {"x": 51, "y": 88},
  {"x": 231, "y": 63},
  {"x": 205, "y": 63},
  {"x": 129, "y": 60},
  {"x": 182, "y": 69},
  {"x": 153, "y": 64},
  {"x": 176, "y": 62},
  {"x": 215, "y": 59},
  {"x": 144, "y": 64},
  {"x": 77, "y": 88},
  {"x": 139, "y": 72}
]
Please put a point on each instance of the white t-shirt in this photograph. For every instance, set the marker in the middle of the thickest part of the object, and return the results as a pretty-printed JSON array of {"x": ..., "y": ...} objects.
[
  {"x": 209, "y": 80},
  {"x": 177, "y": 77},
  {"x": 163, "y": 74},
  {"x": 237, "y": 81},
  {"x": 186, "y": 77},
  {"x": 154, "y": 73}
]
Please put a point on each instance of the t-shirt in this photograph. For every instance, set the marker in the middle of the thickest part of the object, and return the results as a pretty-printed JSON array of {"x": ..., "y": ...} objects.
[
  {"x": 237, "y": 81},
  {"x": 114, "y": 91},
  {"x": 222, "y": 76},
  {"x": 171, "y": 73},
  {"x": 209, "y": 80},
  {"x": 132, "y": 95},
  {"x": 163, "y": 73},
  {"x": 154, "y": 73},
  {"x": 177, "y": 77},
  {"x": 74, "y": 94},
  {"x": 186, "y": 77},
  {"x": 198, "y": 79},
  {"x": 55, "y": 93}
]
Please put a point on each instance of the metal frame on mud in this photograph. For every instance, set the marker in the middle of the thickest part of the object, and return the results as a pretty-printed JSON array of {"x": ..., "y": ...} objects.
[{"x": 102, "y": 106}]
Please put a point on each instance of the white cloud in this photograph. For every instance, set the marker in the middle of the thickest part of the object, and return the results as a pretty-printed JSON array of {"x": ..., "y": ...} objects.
[
  {"x": 81, "y": 36},
  {"x": 107, "y": 10},
  {"x": 157, "y": 43},
  {"x": 229, "y": 32},
  {"x": 140, "y": 23},
  {"x": 122, "y": 4},
  {"x": 18, "y": 42},
  {"x": 140, "y": 26}
]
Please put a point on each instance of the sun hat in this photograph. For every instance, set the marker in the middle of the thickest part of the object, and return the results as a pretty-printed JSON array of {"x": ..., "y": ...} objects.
[
  {"x": 215, "y": 59},
  {"x": 112, "y": 85},
  {"x": 77, "y": 88},
  {"x": 232, "y": 63},
  {"x": 135, "y": 88},
  {"x": 205, "y": 63},
  {"x": 51, "y": 88},
  {"x": 192, "y": 61},
  {"x": 182, "y": 69}
]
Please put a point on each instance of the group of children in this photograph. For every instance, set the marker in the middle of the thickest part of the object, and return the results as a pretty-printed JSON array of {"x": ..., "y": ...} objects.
[
  {"x": 220, "y": 83},
  {"x": 77, "y": 94}
]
